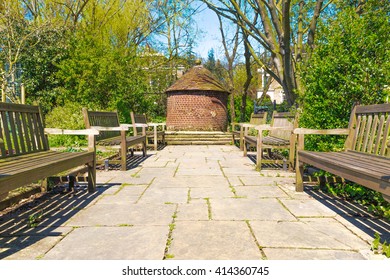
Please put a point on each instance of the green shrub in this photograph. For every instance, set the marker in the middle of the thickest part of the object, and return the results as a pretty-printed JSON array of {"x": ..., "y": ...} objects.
[
  {"x": 350, "y": 64},
  {"x": 68, "y": 116}
]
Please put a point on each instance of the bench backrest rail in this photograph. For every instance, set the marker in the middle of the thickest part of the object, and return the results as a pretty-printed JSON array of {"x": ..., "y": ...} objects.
[
  {"x": 369, "y": 130},
  {"x": 259, "y": 118},
  {"x": 282, "y": 119},
  {"x": 21, "y": 130},
  {"x": 104, "y": 119},
  {"x": 138, "y": 119}
]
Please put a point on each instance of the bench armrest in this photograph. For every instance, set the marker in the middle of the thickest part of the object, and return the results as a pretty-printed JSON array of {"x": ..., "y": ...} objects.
[
  {"x": 270, "y": 128},
  {"x": 105, "y": 128},
  {"x": 156, "y": 124},
  {"x": 59, "y": 131},
  {"x": 335, "y": 131}
]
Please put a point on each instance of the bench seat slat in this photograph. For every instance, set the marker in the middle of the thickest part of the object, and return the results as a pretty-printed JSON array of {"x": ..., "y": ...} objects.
[
  {"x": 366, "y": 161},
  {"x": 36, "y": 159},
  {"x": 268, "y": 140},
  {"x": 32, "y": 171},
  {"x": 357, "y": 163},
  {"x": 377, "y": 181}
]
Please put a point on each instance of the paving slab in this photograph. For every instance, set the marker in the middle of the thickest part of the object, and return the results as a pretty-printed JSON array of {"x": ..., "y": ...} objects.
[
  {"x": 112, "y": 243},
  {"x": 331, "y": 227},
  {"x": 197, "y": 211},
  {"x": 127, "y": 194},
  {"x": 164, "y": 195},
  {"x": 211, "y": 192},
  {"x": 310, "y": 254},
  {"x": 295, "y": 235},
  {"x": 203, "y": 171},
  {"x": 257, "y": 179},
  {"x": 118, "y": 215},
  {"x": 26, "y": 248},
  {"x": 260, "y": 192},
  {"x": 308, "y": 208},
  {"x": 249, "y": 209},
  {"x": 213, "y": 240}
]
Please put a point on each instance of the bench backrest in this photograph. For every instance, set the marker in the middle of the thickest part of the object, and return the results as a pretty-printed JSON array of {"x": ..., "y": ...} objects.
[
  {"x": 369, "y": 129},
  {"x": 104, "y": 119},
  {"x": 282, "y": 119},
  {"x": 137, "y": 118},
  {"x": 259, "y": 118},
  {"x": 21, "y": 130}
]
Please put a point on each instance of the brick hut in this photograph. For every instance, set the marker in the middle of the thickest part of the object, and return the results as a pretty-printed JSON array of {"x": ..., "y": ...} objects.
[{"x": 197, "y": 102}]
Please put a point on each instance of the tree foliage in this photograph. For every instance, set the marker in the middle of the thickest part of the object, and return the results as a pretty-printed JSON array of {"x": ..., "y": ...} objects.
[
  {"x": 278, "y": 34},
  {"x": 101, "y": 54},
  {"x": 350, "y": 64}
]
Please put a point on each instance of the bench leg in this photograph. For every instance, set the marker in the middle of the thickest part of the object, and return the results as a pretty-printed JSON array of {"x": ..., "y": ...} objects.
[
  {"x": 144, "y": 148},
  {"x": 72, "y": 180},
  {"x": 92, "y": 176},
  {"x": 259, "y": 150},
  {"x": 155, "y": 138},
  {"x": 123, "y": 151},
  {"x": 299, "y": 177},
  {"x": 44, "y": 185}
]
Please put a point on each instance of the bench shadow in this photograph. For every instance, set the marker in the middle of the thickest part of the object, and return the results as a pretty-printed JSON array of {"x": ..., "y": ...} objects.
[
  {"x": 354, "y": 213},
  {"x": 253, "y": 158},
  {"x": 131, "y": 162},
  {"x": 43, "y": 216}
]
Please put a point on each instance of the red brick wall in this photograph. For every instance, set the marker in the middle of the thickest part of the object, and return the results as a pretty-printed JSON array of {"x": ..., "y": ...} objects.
[{"x": 197, "y": 111}]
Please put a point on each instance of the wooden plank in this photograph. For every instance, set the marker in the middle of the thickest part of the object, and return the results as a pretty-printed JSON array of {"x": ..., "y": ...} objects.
[
  {"x": 370, "y": 109},
  {"x": 367, "y": 130},
  {"x": 2, "y": 141},
  {"x": 7, "y": 137},
  {"x": 385, "y": 137},
  {"x": 379, "y": 134},
  {"x": 30, "y": 129},
  {"x": 19, "y": 129},
  {"x": 6, "y": 107},
  {"x": 36, "y": 173},
  {"x": 37, "y": 133},
  {"x": 357, "y": 129},
  {"x": 366, "y": 180},
  {"x": 338, "y": 161},
  {"x": 36, "y": 160},
  {"x": 14, "y": 136},
  {"x": 361, "y": 133},
  {"x": 373, "y": 132}
]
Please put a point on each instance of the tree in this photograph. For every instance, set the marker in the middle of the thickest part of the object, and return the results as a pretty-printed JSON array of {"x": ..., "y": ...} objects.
[
  {"x": 17, "y": 36},
  {"x": 175, "y": 26},
  {"x": 230, "y": 47},
  {"x": 285, "y": 29},
  {"x": 350, "y": 64}
]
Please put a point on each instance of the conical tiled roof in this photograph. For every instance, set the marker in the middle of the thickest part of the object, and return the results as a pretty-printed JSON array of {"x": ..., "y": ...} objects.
[{"x": 197, "y": 78}]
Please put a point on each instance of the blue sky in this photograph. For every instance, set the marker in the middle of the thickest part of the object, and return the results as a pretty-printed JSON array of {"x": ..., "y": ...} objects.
[{"x": 207, "y": 22}]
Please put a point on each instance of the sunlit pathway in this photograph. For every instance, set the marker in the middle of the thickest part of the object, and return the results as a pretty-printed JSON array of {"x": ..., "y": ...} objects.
[{"x": 194, "y": 202}]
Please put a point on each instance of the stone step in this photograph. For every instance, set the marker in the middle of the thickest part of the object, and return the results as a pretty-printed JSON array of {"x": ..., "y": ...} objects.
[
  {"x": 197, "y": 142},
  {"x": 198, "y": 138}
]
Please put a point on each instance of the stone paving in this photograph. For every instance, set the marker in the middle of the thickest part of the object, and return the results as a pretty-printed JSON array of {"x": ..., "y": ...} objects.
[{"x": 193, "y": 203}]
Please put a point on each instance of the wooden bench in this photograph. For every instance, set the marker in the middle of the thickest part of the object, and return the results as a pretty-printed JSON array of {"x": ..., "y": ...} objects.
[
  {"x": 113, "y": 134},
  {"x": 365, "y": 158},
  {"x": 238, "y": 128},
  {"x": 154, "y": 134},
  {"x": 280, "y": 136},
  {"x": 25, "y": 156}
]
